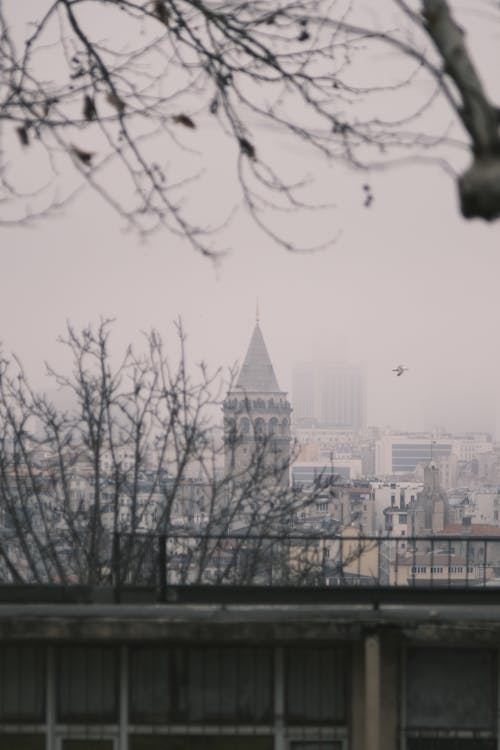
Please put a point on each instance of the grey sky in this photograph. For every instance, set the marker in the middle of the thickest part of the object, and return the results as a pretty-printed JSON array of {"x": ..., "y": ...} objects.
[{"x": 408, "y": 281}]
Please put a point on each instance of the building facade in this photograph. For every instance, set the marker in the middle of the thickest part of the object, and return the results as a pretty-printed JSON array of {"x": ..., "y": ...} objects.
[
  {"x": 225, "y": 676},
  {"x": 400, "y": 454}
]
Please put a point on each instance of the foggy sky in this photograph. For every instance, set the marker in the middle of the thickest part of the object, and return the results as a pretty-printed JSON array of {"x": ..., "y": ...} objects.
[{"x": 407, "y": 281}]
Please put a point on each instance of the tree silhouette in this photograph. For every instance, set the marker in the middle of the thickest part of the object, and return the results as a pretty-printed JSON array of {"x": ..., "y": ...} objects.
[
  {"x": 136, "y": 453},
  {"x": 119, "y": 94}
]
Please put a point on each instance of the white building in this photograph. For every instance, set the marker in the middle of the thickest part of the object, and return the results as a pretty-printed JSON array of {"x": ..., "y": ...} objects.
[
  {"x": 403, "y": 453},
  {"x": 395, "y": 496},
  {"x": 307, "y": 472},
  {"x": 479, "y": 506}
]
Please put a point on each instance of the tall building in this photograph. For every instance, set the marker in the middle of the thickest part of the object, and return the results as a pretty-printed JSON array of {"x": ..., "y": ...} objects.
[
  {"x": 329, "y": 395},
  {"x": 257, "y": 416},
  {"x": 429, "y": 512}
]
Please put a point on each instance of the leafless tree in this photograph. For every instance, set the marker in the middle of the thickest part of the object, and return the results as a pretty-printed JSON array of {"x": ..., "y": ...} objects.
[
  {"x": 132, "y": 98},
  {"x": 135, "y": 456}
]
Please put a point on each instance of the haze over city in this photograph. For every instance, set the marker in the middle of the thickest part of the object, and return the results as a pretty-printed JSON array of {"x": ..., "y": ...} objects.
[
  {"x": 296, "y": 546},
  {"x": 407, "y": 280}
]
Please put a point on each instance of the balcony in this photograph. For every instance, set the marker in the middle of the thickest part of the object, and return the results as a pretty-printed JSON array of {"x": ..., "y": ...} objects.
[
  {"x": 297, "y": 567},
  {"x": 269, "y": 642}
]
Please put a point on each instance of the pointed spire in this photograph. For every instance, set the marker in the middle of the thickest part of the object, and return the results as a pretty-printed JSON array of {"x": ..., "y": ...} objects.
[{"x": 257, "y": 373}]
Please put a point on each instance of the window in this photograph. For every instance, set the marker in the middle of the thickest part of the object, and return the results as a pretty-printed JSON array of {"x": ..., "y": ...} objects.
[
  {"x": 87, "y": 684},
  {"x": 226, "y": 684},
  {"x": 259, "y": 427},
  {"x": 180, "y": 697},
  {"x": 450, "y": 688},
  {"x": 87, "y": 744},
  {"x": 403, "y": 518},
  {"x": 22, "y": 741},
  {"x": 173, "y": 742},
  {"x": 419, "y": 569},
  {"x": 436, "y": 569},
  {"x": 22, "y": 684},
  {"x": 322, "y": 507},
  {"x": 448, "y": 743},
  {"x": 316, "y": 685}
]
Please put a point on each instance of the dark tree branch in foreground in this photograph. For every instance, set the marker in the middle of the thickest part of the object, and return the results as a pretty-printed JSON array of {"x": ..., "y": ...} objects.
[
  {"x": 479, "y": 187},
  {"x": 134, "y": 98}
]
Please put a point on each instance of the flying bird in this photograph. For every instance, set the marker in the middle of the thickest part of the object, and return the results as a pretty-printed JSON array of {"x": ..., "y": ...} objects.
[{"x": 399, "y": 370}]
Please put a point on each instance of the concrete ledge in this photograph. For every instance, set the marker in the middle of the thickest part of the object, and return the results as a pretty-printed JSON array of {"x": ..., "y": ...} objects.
[{"x": 373, "y": 596}]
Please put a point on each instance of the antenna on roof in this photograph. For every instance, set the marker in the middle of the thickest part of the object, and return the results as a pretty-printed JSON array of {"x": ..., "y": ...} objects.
[{"x": 257, "y": 312}]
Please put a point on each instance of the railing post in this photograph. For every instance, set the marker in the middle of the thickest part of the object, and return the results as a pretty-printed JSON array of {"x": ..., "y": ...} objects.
[
  {"x": 396, "y": 562},
  {"x": 467, "y": 562},
  {"x": 485, "y": 561},
  {"x": 341, "y": 559},
  {"x": 271, "y": 565},
  {"x": 449, "y": 564},
  {"x": 379, "y": 562},
  {"x": 115, "y": 565},
  {"x": 162, "y": 562},
  {"x": 414, "y": 561},
  {"x": 432, "y": 563}
]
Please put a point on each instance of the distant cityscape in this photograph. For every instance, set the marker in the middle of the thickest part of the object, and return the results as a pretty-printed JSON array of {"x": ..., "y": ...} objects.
[
  {"x": 318, "y": 535},
  {"x": 309, "y": 466}
]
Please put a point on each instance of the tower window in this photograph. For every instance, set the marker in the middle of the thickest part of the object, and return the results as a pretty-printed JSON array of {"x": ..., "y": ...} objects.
[{"x": 259, "y": 426}]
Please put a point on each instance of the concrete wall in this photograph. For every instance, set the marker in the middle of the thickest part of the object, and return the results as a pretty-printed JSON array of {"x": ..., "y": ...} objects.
[{"x": 368, "y": 656}]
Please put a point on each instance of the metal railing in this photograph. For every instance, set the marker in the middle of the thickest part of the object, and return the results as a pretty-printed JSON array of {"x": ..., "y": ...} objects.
[{"x": 301, "y": 561}]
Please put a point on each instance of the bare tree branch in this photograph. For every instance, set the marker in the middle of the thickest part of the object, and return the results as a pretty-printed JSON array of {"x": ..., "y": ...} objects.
[{"x": 132, "y": 99}]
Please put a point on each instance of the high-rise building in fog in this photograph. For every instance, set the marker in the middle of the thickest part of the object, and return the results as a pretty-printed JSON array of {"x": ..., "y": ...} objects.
[{"x": 329, "y": 395}]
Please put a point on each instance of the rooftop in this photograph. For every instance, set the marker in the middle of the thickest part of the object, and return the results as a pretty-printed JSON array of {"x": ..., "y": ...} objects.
[{"x": 257, "y": 373}]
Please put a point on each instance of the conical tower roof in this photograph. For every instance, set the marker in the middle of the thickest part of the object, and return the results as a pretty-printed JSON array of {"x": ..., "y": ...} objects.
[{"x": 257, "y": 373}]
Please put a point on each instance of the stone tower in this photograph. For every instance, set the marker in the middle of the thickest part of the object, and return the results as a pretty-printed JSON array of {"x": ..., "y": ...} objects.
[
  {"x": 429, "y": 513},
  {"x": 257, "y": 417}
]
